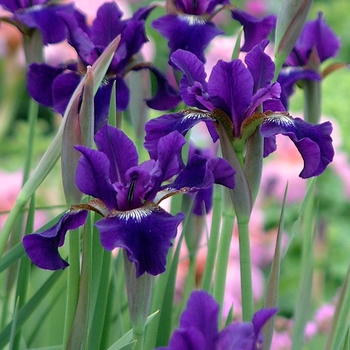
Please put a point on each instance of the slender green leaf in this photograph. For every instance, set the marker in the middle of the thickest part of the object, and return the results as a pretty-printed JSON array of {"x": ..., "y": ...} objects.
[
  {"x": 127, "y": 338},
  {"x": 30, "y": 307},
  {"x": 341, "y": 318},
  {"x": 273, "y": 283},
  {"x": 302, "y": 306}
]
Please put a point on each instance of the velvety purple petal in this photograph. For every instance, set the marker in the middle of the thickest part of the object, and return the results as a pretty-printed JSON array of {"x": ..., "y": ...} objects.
[
  {"x": 40, "y": 79},
  {"x": 261, "y": 317},
  {"x": 159, "y": 127},
  {"x": 10, "y": 5},
  {"x": 122, "y": 93},
  {"x": 315, "y": 33},
  {"x": 168, "y": 161},
  {"x": 132, "y": 39},
  {"x": 169, "y": 154},
  {"x": 203, "y": 201},
  {"x": 270, "y": 145},
  {"x": 120, "y": 151},
  {"x": 42, "y": 247},
  {"x": 145, "y": 233},
  {"x": 187, "y": 32},
  {"x": 289, "y": 76},
  {"x": 255, "y": 29},
  {"x": 107, "y": 24},
  {"x": 195, "y": 175},
  {"x": 92, "y": 176},
  {"x": 202, "y": 313},
  {"x": 166, "y": 97},
  {"x": 271, "y": 91},
  {"x": 237, "y": 336},
  {"x": 193, "y": 86},
  {"x": 188, "y": 339},
  {"x": 230, "y": 88},
  {"x": 62, "y": 90},
  {"x": 314, "y": 142},
  {"x": 143, "y": 12},
  {"x": 79, "y": 39},
  {"x": 222, "y": 171},
  {"x": 43, "y": 17},
  {"x": 260, "y": 66}
]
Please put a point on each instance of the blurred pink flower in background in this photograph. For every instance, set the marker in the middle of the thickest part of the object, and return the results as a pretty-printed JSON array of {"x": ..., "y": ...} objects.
[
  {"x": 256, "y": 8},
  {"x": 10, "y": 186}
]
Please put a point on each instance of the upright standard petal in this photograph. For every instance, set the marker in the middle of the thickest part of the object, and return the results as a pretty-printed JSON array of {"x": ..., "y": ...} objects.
[
  {"x": 317, "y": 34},
  {"x": 187, "y": 32},
  {"x": 119, "y": 149},
  {"x": 92, "y": 176},
  {"x": 260, "y": 66},
  {"x": 230, "y": 88},
  {"x": 145, "y": 233},
  {"x": 42, "y": 247},
  {"x": 255, "y": 29},
  {"x": 193, "y": 86},
  {"x": 314, "y": 142}
]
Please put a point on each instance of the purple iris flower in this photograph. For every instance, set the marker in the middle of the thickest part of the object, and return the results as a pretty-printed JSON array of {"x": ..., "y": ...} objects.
[
  {"x": 199, "y": 328},
  {"x": 39, "y": 14},
  {"x": 53, "y": 86},
  {"x": 127, "y": 195},
  {"x": 255, "y": 29},
  {"x": 189, "y": 27},
  {"x": 316, "y": 44},
  {"x": 234, "y": 91}
]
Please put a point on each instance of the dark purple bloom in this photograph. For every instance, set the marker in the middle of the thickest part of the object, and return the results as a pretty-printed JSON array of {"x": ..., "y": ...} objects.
[
  {"x": 190, "y": 27},
  {"x": 316, "y": 34},
  {"x": 199, "y": 328},
  {"x": 255, "y": 29},
  {"x": 39, "y": 14},
  {"x": 316, "y": 44},
  {"x": 233, "y": 93},
  {"x": 42, "y": 247},
  {"x": 53, "y": 86},
  {"x": 127, "y": 195}
]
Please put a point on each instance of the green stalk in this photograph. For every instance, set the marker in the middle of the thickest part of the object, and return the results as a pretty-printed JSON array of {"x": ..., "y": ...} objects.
[
  {"x": 312, "y": 99},
  {"x": 80, "y": 328},
  {"x": 223, "y": 257},
  {"x": 32, "y": 119},
  {"x": 213, "y": 241},
  {"x": 246, "y": 270},
  {"x": 73, "y": 282}
]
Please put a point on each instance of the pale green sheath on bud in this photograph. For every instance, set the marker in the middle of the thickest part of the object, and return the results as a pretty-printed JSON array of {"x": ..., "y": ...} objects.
[{"x": 290, "y": 22}]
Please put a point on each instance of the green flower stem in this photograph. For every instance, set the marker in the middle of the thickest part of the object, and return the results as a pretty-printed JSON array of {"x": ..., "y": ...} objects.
[
  {"x": 73, "y": 282},
  {"x": 312, "y": 101},
  {"x": 213, "y": 241},
  {"x": 139, "y": 291},
  {"x": 80, "y": 327},
  {"x": 32, "y": 119},
  {"x": 223, "y": 257},
  {"x": 246, "y": 270}
]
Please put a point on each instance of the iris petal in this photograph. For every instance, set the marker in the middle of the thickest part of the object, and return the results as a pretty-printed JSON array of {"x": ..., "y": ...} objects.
[
  {"x": 42, "y": 247},
  {"x": 188, "y": 32},
  {"x": 313, "y": 141},
  {"x": 145, "y": 233}
]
